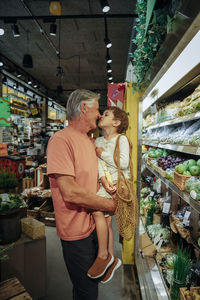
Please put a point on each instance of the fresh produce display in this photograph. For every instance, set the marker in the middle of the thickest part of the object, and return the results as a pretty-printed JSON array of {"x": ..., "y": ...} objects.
[
  {"x": 157, "y": 229},
  {"x": 192, "y": 294},
  {"x": 193, "y": 187},
  {"x": 156, "y": 153},
  {"x": 169, "y": 161},
  {"x": 191, "y": 104},
  {"x": 170, "y": 259},
  {"x": 189, "y": 167},
  {"x": 182, "y": 265},
  {"x": 10, "y": 201}
]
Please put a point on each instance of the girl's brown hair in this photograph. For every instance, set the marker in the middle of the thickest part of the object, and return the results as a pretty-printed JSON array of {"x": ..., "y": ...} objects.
[{"x": 120, "y": 115}]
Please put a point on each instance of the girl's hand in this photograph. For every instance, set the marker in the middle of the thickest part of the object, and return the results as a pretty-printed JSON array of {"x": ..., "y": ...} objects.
[
  {"x": 99, "y": 151},
  {"x": 108, "y": 186}
]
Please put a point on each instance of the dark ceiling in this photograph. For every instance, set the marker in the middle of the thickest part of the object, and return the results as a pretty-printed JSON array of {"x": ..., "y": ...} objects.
[{"x": 82, "y": 48}]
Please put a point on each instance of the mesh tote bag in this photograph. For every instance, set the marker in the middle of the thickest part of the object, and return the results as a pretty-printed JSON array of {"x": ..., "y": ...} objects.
[{"x": 126, "y": 214}]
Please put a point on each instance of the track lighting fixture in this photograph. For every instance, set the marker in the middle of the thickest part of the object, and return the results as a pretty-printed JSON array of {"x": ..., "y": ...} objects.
[
  {"x": 19, "y": 74},
  {"x": 110, "y": 77},
  {"x": 29, "y": 81},
  {"x": 27, "y": 59},
  {"x": 107, "y": 42},
  {"x": 59, "y": 90},
  {"x": 35, "y": 85},
  {"x": 104, "y": 6},
  {"x": 2, "y": 31},
  {"x": 15, "y": 30},
  {"x": 1, "y": 62},
  {"x": 53, "y": 28},
  {"x": 15, "y": 86},
  {"x": 109, "y": 70},
  {"x": 108, "y": 58},
  {"x": 106, "y": 39}
]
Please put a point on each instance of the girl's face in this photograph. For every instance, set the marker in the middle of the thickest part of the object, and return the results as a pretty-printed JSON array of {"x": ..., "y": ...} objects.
[{"x": 106, "y": 119}]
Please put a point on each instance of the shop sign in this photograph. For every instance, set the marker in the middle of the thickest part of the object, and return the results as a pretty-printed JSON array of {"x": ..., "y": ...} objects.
[
  {"x": 5, "y": 119},
  {"x": 116, "y": 94}
]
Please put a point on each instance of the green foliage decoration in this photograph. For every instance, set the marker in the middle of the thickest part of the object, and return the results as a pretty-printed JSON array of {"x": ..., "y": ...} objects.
[
  {"x": 148, "y": 44},
  {"x": 7, "y": 180}
]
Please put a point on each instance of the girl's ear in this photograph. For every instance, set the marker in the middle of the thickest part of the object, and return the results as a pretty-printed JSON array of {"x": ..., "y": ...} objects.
[{"x": 116, "y": 123}]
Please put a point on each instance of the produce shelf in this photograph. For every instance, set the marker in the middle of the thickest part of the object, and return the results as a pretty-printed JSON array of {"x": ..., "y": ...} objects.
[
  {"x": 190, "y": 117},
  {"x": 175, "y": 147},
  {"x": 185, "y": 196},
  {"x": 161, "y": 275},
  {"x": 150, "y": 279}
]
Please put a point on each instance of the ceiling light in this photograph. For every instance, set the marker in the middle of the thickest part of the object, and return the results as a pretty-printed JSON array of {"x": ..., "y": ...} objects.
[
  {"x": 2, "y": 31},
  {"x": 109, "y": 70},
  {"x": 1, "y": 62},
  {"x": 110, "y": 78},
  {"x": 19, "y": 74},
  {"x": 104, "y": 6},
  {"x": 27, "y": 61},
  {"x": 35, "y": 85},
  {"x": 108, "y": 59},
  {"x": 15, "y": 30},
  {"x": 29, "y": 81},
  {"x": 53, "y": 28},
  {"x": 107, "y": 42}
]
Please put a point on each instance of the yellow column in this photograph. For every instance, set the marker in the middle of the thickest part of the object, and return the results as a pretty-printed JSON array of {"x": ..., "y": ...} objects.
[{"x": 131, "y": 103}]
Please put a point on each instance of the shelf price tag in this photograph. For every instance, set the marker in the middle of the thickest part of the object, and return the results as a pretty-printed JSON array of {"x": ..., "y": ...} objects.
[
  {"x": 166, "y": 208},
  {"x": 186, "y": 217},
  {"x": 152, "y": 194},
  {"x": 157, "y": 239},
  {"x": 159, "y": 244}
]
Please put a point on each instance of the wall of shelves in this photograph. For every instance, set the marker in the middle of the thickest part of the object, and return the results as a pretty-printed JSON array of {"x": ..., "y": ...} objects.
[{"x": 155, "y": 96}]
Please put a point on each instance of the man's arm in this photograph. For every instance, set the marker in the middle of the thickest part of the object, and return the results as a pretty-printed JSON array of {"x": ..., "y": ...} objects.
[{"x": 73, "y": 193}]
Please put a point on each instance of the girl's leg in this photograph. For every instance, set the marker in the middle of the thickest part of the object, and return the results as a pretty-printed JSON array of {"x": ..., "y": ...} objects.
[
  {"x": 110, "y": 235},
  {"x": 102, "y": 234}
]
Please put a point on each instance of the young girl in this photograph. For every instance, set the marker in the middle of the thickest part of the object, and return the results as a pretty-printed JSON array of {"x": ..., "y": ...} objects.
[{"x": 113, "y": 122}]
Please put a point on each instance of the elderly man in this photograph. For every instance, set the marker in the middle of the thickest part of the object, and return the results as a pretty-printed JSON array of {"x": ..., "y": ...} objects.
[{"x": 72, "y": 168}]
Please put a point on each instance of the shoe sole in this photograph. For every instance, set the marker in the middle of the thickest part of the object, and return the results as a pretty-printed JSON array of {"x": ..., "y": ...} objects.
[
  {"x": 100, "y": 275},
  {"x": 113, "y": 271}
]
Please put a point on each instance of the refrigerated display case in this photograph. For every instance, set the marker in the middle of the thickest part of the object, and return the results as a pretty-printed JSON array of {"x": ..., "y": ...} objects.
[{"x": 174, "y": 84}]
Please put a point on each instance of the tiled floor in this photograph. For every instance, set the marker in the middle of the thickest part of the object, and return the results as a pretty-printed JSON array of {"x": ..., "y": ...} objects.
[{"x": 59, "y": 287}]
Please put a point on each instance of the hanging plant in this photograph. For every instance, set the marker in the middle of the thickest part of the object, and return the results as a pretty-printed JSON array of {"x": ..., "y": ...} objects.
[{"x": 148, "y": 40}]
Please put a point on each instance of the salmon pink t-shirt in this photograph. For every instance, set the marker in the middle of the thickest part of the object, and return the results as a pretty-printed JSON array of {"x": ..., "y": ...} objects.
[{"x": 70, "y": 152}]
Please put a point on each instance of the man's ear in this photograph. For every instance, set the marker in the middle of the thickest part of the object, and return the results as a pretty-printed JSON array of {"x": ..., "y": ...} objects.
[
  {"x": 84, "y": 107},
  {"x": 116, "y": 123}
]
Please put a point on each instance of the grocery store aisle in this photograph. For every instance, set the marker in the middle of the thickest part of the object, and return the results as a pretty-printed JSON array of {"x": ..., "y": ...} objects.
[{"x": 121, "y": 287}]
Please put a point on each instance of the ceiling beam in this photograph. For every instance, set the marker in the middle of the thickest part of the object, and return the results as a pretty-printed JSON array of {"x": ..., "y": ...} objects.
[{"x": 13, "y": 19}]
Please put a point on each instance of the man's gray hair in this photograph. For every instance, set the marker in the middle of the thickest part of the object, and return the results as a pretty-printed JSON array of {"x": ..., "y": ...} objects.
[{"x": 76, "y": 98}]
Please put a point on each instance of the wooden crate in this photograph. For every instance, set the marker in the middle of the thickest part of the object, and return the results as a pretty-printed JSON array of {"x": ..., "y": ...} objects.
[
  {"x": 180, "y": 180},
  {"x": 33, "y": 228},
  {"x": 13, "y": 289},
  {"x": 149, "y": 159},
  {"x": 28, "y": 183},
  {"x": 182, "y": 290}
]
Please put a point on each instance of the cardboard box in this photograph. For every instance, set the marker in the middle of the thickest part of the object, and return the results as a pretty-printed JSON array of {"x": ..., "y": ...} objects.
[
  {"x": 33, "y": 228},
  {"x": 146, "y": 245}
]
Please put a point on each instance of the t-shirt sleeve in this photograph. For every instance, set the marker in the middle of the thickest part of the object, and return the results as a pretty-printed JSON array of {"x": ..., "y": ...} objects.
[
  {"x": 60, "y": 157},
  {"x": 124, "y": 154}
]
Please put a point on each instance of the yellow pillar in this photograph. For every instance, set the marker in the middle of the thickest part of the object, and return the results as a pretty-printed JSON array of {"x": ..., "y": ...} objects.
[{"x": 131, "y": 103}]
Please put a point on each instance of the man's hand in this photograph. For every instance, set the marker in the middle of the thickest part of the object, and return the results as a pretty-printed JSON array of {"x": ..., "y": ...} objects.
[{"x": 99, "y": 151}]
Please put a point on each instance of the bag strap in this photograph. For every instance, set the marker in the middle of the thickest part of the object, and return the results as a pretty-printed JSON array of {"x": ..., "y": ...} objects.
[{"x": 116, "y": 157}]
